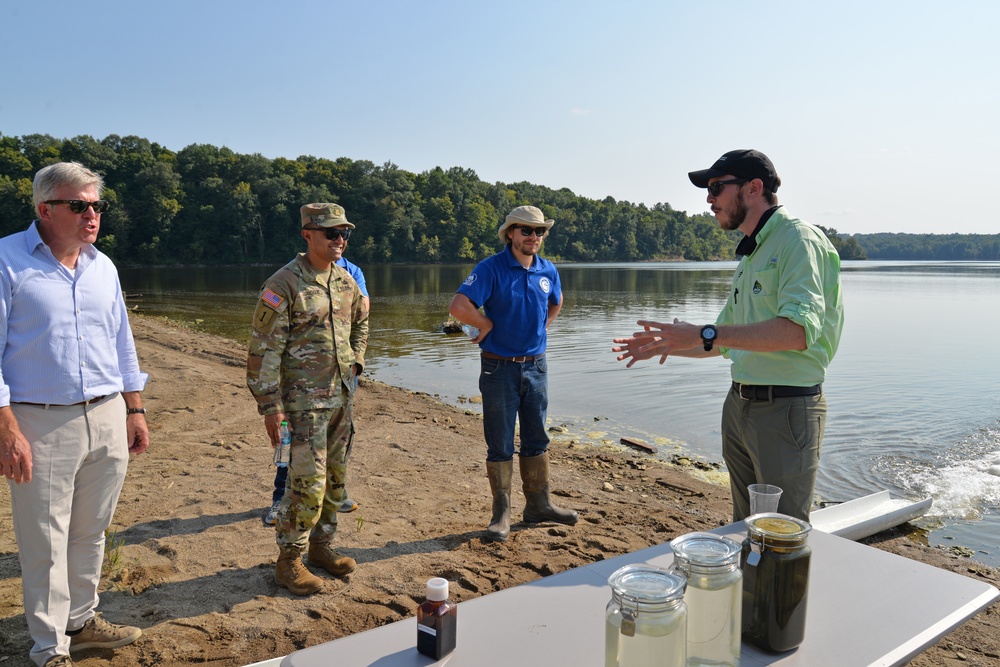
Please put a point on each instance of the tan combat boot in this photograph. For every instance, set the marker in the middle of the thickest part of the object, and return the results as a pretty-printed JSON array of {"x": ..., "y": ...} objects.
[
  {"x": 500, "y": 474},
  {"x": 293, "y": 575},
  {"x": 535, "y": 483},
  {"x": 323, "y": 555}
]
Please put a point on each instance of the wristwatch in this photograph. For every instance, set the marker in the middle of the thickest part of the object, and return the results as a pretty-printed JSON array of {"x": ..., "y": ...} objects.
[
  {"x": 708, "y": 335},
  {"x": 135, "y": 411}
]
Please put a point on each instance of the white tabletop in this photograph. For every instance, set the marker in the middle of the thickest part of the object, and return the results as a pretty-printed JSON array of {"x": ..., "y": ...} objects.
[{"x": 866, "y": 607}]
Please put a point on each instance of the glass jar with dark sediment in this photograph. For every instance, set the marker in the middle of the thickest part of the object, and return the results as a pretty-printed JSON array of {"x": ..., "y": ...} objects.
[
  {"x": 646, "y": 619},
  {"x": 775, "y": 563},
  {"x": 713, "y": 597}
]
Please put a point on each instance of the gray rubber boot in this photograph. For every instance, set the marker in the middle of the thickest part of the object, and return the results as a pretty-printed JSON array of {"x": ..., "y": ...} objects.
[
  {"x": 535, "y": 482},
  {"x": 500, "y": 474}
]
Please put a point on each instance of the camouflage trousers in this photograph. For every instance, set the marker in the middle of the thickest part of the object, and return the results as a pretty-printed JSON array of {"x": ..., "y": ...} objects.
[{"x": 317, "y": 473}]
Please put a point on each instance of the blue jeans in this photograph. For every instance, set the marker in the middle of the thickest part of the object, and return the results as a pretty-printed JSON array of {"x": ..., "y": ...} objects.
[
  {"x": 280, "y": 479},
  {"x": 514, "y": 391}
]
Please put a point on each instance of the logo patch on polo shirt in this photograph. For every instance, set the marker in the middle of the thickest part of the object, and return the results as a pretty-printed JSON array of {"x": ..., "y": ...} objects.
[
  {"x": 471, "y": 279},
  {"x": 757, "y": 287},
  {"x": 545, "y": 285}
]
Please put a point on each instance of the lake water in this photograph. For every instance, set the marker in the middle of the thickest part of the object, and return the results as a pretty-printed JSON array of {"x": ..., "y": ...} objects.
[{"x": 913, "y": 396}]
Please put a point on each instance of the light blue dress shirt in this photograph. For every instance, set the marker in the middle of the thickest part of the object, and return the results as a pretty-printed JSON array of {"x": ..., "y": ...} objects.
[{"x": 64, "y": 334}]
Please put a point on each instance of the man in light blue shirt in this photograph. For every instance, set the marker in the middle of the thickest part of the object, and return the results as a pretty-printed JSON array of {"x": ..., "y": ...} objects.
[{"x": 70, "y": 410}]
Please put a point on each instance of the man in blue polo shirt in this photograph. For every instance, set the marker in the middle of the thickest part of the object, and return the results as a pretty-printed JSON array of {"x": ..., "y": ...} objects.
[
  {"x": 780, "y": 327},
  {"x": 521, "y": 294}
]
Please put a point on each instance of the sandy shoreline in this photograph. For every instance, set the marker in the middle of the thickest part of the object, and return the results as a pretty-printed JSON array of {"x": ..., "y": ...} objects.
[{"x": 197, "y": 562}]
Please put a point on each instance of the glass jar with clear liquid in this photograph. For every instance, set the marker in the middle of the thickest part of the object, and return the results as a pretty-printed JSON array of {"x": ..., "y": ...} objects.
[
  {"x": 646, "y": 619},
  {"x": 714, "y": 598}
]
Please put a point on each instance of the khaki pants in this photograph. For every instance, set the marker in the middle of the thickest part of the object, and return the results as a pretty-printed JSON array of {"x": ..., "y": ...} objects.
[
  {"x": 773, "y": 442},
  {"x": 79, "y": 457}
]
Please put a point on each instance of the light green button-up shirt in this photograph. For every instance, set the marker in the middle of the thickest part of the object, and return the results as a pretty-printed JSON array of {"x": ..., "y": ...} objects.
[{"x": 793, "y": 273}]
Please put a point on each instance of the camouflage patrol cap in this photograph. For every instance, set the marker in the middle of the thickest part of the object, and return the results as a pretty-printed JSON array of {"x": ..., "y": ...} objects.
[{"x": 324, "y": 215}]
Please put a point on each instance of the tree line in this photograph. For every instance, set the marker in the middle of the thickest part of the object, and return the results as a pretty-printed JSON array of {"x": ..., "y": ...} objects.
[{"x": 206, "y": 205}]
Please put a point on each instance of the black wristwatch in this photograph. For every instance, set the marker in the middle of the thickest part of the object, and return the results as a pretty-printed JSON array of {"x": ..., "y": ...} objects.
[{"x": 708, "y": 335}]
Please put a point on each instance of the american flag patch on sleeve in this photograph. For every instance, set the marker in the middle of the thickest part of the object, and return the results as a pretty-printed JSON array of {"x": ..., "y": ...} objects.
[{"x": 272, "y": 299}]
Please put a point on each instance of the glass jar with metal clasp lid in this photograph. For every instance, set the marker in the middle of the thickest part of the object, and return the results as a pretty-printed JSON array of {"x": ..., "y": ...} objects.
[
  {"x": 646, "y": 619},
  {"x": 713, "y": 597},
  {"x": 775, "y": 562}
]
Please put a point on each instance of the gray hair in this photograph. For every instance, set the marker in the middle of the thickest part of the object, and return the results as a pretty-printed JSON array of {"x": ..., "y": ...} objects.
[{"x": 74, "y": 174}]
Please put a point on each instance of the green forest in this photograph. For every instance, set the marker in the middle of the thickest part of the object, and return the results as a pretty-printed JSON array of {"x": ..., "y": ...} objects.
[{"x": 206, "y": 205}]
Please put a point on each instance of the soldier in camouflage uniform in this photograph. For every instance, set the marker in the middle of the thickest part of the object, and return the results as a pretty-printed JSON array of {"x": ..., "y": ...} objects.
[{"x": 310, "y": 332}]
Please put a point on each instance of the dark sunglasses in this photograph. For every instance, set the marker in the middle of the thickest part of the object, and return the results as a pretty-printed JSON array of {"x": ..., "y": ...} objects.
[
  {"x": 537, "y": 231},
  {"x": 79, "y": 206},
  {"x": 715, "y": 189},
  {"x": 331, "y": 232}
]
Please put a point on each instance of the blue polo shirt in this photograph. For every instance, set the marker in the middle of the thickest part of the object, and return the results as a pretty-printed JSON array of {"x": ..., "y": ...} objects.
[{"x": 516, "y": 300}]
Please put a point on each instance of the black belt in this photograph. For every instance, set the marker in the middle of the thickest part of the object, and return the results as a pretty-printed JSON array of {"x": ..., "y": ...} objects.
[
  {"x": 519, "y": 360},
  {"x": 766, "y": 392},
  {"x": 95, "y": 399}
]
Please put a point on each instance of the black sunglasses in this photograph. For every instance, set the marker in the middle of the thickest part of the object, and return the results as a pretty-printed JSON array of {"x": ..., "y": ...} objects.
[
  {"x": 331, "y": 232},
  {"x": 79, "y": 206},
  {"x": 715, "y": 189},
  {"x": 537, "y": 231}
]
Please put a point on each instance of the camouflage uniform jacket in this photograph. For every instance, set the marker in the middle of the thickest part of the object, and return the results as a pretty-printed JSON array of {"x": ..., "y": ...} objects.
[{"x": 309, "y": 328}]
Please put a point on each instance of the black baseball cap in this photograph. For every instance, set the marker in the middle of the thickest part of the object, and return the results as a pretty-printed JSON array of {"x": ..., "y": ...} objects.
[{"x": 744, "y": 163}]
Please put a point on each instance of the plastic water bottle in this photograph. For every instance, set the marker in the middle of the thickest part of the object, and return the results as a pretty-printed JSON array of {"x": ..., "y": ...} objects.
[
  {"x": 282, "y": 451},
  {"x": 470, "y": 331}
]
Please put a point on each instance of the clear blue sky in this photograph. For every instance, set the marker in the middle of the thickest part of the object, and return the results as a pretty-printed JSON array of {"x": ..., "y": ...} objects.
[{"x": 879, "y": 116}]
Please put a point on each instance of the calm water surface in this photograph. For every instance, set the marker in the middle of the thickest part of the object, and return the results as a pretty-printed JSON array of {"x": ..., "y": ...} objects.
[{"x": 912, "y": 393}]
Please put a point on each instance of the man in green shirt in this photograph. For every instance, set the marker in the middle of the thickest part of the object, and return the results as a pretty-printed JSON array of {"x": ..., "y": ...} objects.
[{"x": 780, "y": 327}]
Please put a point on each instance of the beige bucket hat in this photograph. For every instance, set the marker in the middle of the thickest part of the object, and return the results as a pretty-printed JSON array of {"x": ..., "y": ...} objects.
[
  {"x": 324, "y": 215},
  {"x": 524, "y": 215}
]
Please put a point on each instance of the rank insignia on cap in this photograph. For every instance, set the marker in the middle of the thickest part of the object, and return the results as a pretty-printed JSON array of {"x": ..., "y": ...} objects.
[{"x": 272, "y": 299}]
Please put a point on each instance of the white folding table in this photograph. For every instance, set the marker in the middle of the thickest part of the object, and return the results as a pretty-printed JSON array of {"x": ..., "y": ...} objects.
[{"x": 866, "y": 607}]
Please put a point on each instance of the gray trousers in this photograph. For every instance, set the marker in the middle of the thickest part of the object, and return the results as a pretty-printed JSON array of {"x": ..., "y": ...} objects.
[{"x": 773, "y": 442}]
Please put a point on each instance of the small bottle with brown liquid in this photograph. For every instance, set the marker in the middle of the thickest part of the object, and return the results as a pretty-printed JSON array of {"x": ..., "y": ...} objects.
[{"x": 437, "y": 621}]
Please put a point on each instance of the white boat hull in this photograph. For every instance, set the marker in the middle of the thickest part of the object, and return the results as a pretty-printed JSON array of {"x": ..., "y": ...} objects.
[{"x": 865, "y": 516}]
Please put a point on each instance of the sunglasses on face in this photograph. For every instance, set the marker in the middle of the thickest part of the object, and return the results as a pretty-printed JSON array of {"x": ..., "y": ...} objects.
[
  {"x": 79, "y": 206},
  {"x": 715, "y": 189},
  {"x": 331, "y": 232},
  {"x": 537, "y": 231}
]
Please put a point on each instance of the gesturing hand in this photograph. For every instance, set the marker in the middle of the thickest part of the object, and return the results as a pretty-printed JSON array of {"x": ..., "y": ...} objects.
[{"x": 656, "y": 338}]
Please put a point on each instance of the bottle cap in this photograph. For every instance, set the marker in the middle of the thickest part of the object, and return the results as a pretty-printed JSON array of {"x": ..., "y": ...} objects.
[{"x": 437, "y": 589}]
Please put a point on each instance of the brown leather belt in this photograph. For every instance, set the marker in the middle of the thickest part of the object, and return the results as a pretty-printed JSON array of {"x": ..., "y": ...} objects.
[
  {"x": 519, "y": 360},
  {"x": 96, "y": 399}
]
